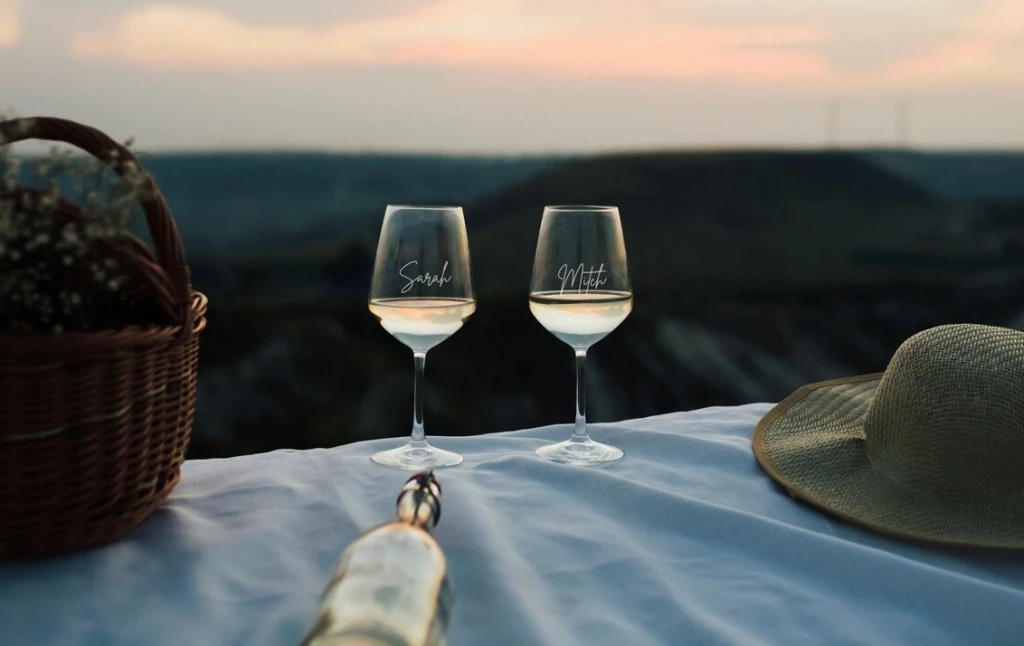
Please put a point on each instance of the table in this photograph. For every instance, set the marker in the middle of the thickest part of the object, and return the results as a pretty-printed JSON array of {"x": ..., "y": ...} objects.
[{"x": 685, "y": 541}]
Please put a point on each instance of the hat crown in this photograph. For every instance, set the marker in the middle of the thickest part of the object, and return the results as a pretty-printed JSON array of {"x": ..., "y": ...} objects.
[{"x": 947, "y": 419}]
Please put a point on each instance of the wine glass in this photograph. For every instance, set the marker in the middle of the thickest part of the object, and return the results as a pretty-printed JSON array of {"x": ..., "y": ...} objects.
[
  {"x": 580, "y": 292},
  {"x": 421, "y": 293}
]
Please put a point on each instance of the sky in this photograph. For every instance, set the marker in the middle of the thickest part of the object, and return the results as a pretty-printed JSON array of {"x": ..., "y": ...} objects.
[{"x": 522, "y": 76}]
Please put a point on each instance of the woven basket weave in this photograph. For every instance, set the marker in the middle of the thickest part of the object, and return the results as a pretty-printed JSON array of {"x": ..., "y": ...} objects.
[{"x": 94, "y": 425}]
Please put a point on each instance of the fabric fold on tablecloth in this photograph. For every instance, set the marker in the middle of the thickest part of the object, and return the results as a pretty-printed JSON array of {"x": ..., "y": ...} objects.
[{"x": 684, "y": 541}]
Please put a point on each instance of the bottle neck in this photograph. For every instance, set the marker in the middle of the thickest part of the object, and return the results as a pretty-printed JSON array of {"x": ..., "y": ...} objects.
[{"x": 419, "y": 504}]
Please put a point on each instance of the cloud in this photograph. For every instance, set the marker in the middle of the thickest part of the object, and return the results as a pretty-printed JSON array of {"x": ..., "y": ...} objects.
[
  {"x": 561, "y": 37},
  {"x": 988, "y": 47},
  {"x": 1001, "y": 20},
  {"x": 10, "y": 23},
  {"x": 187, "y": 36},
  {"x": 308, "y": 13},
  {"x": 836, "y": 45}
]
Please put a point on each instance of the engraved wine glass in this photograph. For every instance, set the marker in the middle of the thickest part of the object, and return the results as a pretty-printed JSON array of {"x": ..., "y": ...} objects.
[
  {"x": 580, "y": 292},
  {"x": 421, "y": 293}
]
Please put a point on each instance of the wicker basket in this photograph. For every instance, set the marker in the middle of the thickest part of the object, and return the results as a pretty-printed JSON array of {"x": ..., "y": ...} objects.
[{"x": 94, "y": 425}]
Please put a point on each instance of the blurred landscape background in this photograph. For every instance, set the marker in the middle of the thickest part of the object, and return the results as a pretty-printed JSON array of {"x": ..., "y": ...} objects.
[
  {"x": 802, "y": 184},
  {"x": 754, "y": 272}
]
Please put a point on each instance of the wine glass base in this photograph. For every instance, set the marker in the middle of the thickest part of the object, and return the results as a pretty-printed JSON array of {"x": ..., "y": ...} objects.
[
  {"x": 580, "y": 452},
  {"x": 415, "y": 457}
]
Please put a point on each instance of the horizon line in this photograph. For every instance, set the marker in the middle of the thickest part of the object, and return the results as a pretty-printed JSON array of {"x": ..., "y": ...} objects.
[{"x": 182, "y": 151}]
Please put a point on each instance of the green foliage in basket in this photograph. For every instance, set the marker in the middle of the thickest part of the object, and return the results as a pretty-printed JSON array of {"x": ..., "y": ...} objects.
[{"x": 66, "y": 257}]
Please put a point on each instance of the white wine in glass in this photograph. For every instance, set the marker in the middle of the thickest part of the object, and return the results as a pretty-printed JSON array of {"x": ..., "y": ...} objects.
[
  {"x": 580, "y": 292},
  {"x": 581, "y": 320},
  {"x": 422, "y": 323},
  {"x": 422, "y": 294}
]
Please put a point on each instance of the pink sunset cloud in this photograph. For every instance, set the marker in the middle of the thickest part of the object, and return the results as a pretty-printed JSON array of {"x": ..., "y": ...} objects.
[
  {"x": 989, "y": 47},
  {"x": 608, "y": 41},
  {"x": 563, "y": 38},
  {"x": 675, "y": 51},
  {"x": 10, "y": 23}
]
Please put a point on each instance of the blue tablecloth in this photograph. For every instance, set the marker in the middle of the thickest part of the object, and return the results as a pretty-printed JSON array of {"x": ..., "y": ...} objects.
[{"x": 685, "y": 541}]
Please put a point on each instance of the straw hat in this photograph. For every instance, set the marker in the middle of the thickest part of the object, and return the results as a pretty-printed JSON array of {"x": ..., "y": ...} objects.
[{"x": 931, "y": 450}]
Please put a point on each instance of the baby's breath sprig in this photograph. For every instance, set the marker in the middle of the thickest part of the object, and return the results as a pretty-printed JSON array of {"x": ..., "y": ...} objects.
[{"x": 61, "y": 267}]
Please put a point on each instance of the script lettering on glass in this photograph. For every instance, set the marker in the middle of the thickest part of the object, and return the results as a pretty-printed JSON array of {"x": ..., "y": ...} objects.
[
  {"x": 580, "y": 278},
  {"x": 426, "y": 279}
]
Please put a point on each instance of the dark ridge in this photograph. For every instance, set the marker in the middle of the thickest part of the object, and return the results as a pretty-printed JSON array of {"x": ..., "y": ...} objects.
[
  {"x": 723, "y": 217},
  {"x": 736, "y": 184},
  {"x": 229, "y": 201},
  {"x": 996, "y": 176}
]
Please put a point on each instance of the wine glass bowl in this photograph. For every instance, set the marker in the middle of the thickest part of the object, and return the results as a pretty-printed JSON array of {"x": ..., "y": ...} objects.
[
  {"x": 580, "y": 292},
  {"x": 422, "y": 323},
  {"x": 581, "y": 320},
  {"x": 421, "y": 293}
]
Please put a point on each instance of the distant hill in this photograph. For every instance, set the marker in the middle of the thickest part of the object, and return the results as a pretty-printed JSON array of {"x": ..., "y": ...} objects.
[
  {"x": 994, "y": 176},
  {"x": 233, "y": 201},
  {"x": 731, "y": 182},
  {"x": 754, "y": 273},
  {"x": 697, "y": 221},
  {"x": 694, "y": 223}
]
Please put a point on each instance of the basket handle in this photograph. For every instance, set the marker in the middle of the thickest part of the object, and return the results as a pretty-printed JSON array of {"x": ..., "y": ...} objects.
[{"x": 166, "y": 239}]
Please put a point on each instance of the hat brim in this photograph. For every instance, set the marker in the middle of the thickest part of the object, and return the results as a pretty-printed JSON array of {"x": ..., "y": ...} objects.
[{"x": 812, "y": 443}]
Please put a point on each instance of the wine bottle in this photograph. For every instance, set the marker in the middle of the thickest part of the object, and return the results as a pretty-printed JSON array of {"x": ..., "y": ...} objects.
[{"x": 390, "y": 587}]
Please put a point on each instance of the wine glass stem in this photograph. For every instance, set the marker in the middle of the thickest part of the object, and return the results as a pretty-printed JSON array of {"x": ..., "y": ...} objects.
[
  {"x": 418, "y": 435},
  {"x": 579, "y": 432}
]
